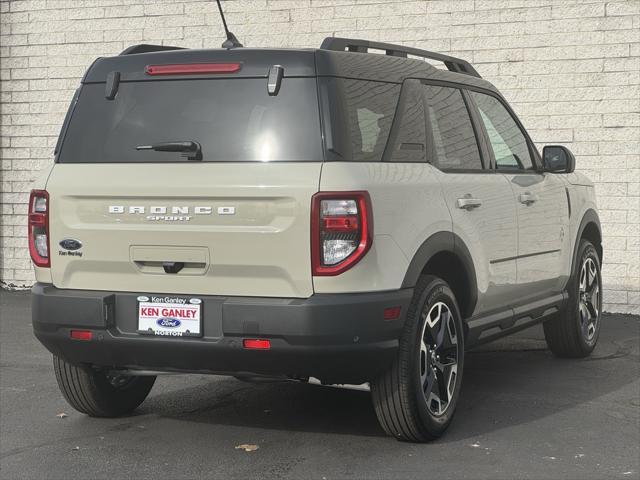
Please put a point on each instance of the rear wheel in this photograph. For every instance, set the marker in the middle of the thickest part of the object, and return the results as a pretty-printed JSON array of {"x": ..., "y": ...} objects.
[
  {"x": 416, "y": 397},
  {"x": 574, "y": 334},
  {"x": 99, "y": 394}
]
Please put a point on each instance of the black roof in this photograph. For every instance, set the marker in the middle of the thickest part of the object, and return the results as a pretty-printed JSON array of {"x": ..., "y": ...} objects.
[{"x": 338, "y": 57}]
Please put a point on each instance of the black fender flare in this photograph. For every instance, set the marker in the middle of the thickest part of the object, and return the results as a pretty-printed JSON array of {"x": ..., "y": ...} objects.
[
  {"x": 443, "y": 242},
  {"x": 590, "y": 216}
]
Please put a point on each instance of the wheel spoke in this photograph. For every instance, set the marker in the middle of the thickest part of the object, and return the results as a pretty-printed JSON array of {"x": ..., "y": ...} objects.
[
  {"x": 587, "y": 320},
  {"x": 589, "y": 308},
  {"x": 592, "y": 272},
  {"x": 427, "y": 386},
  {"x": 438, "y": 358},
  {"x": 442, "y": 378},
  {"x": 583, "y": 279},
  {"x": 424, "y": 367},
  {"x": 584, "y": 313},
  {"x": 434, "y": 399},
  {"x": 434, "y": 315},
  {"x": 595, "y": 300},
  {"x": 451, "y": 381},
  {"x": 441, "y": 336}
]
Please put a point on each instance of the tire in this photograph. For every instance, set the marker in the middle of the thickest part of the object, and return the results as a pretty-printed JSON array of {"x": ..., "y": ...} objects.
[
  {"x": 403, "y": 408},
  {"x": 94, "y": 393},
  {"x": 574, "y": 333}
]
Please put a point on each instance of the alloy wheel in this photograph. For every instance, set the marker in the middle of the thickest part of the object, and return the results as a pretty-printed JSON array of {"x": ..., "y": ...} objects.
[
  {"x": 589, "y": 306},
  {"x": 438, "y": 362}
]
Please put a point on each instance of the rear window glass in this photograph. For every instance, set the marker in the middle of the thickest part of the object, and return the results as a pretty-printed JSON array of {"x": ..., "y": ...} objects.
[{"x": 232, "y": 119}]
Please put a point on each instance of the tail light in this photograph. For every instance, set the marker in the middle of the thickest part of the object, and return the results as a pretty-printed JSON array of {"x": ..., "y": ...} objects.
[
  {"x": 341, "y": 230},
  {"x": 39, "y": 227}
]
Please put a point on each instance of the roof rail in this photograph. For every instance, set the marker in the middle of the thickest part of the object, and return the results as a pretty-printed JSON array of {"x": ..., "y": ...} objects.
[
  {"x": 362, "y": 46},
  {"x": 145, "y": 48}
]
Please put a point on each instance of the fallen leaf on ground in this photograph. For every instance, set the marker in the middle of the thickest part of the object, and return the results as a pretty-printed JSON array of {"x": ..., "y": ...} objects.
[
  {"x": 62, "y": 415},
  {"x": 247, "y": 447}
]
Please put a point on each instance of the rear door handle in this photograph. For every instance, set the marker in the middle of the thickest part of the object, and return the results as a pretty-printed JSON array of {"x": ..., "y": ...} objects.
[
  {"x": 528, "y": 198},
  {"x": 469, "y": 203}
]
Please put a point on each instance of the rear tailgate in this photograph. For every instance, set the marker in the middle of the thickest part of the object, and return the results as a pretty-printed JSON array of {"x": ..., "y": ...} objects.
[
  {"x": 232, "y": 220},
  {"x": 245, "y": 231}
]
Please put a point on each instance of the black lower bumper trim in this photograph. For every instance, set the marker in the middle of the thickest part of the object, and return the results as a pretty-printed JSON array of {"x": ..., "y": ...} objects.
[{"x": 340, "y": 338}]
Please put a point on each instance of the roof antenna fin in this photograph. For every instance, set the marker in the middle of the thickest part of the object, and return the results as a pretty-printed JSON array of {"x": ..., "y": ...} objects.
[{"x": 231, "y": 41}]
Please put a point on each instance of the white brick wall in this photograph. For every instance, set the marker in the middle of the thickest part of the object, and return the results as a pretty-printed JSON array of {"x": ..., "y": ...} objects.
[{"x": 571, "y": 69}]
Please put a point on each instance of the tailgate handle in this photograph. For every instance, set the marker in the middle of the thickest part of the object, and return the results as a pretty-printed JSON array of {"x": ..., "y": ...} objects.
[
  {"x": 172, "y": 267},
  {"x": 173, "y": 260}
]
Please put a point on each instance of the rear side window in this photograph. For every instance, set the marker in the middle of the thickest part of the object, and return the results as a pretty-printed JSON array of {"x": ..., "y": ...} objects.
[
  {"x": 233, "y": 119},
  {"x": 454, "y": 144},
  {"x": 358, "y": 114},
  {"x": 407, "y": 141},
  {"x": 509, "y": 144}
]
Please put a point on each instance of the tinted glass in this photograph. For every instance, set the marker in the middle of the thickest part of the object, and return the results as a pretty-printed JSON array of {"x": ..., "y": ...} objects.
[
  {"x": 454, "y": 144},
  {"x": 233, "y": 120},
  {"x": 509, "y": 144},
  {"x": 369, "y": 109},
  {"x": 408, "y": 142}
]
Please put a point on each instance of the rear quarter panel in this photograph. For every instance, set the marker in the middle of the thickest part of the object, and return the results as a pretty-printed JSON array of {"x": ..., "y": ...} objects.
[{"x": 408, "y": 207}]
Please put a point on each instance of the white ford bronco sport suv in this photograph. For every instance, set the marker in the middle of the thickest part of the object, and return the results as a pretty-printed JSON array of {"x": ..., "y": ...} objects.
[{"x": 324, "y": 213}]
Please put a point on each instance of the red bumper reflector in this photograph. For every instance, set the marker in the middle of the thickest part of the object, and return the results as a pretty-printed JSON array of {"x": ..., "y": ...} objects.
[
  {"x": 256, "y": 344},
  {"x": 82, "y": 334},
  {"x": 192, "y": 68},
  {"x": 392, "y": 313}
]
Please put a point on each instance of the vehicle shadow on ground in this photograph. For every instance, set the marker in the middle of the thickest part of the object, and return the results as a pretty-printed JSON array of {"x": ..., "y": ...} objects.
[{"x": 505, "y": 384}]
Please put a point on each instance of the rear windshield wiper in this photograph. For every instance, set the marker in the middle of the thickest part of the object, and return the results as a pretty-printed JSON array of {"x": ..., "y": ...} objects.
[{"x": 192, "y": 150}]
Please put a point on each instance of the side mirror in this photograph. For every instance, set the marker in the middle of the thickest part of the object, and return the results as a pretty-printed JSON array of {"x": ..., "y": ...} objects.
[{"x": 558, "y": 159}]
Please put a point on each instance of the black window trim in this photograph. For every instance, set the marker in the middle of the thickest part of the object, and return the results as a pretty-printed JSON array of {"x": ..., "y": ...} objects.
[
  {"x": 396, "y": 124},
  {"x": 65, "y": 124}
]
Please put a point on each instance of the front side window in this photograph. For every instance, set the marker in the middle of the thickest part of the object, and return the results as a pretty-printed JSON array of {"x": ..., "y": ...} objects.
[
  {"x": 454, "y": 144},
  {"x": 510, "y": 147}
]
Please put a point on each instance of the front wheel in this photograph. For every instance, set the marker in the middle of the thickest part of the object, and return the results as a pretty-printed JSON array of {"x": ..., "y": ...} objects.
[
  {"x": 416, "y": 397},
  {"x": 574, "y": 333},
  {"x": 98, "y": 394}
]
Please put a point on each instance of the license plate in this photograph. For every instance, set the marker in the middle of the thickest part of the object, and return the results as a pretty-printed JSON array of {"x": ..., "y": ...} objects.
[{"x": 170, "y": 316}]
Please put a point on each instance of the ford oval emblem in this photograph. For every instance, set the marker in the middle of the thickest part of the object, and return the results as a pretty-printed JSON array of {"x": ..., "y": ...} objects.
[
  {"x": 71, "y": 244},
  {"x": 169, "y": 322}
]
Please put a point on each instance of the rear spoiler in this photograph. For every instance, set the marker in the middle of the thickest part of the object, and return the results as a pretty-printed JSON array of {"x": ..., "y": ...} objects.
[{"x": 146, "y": 48}]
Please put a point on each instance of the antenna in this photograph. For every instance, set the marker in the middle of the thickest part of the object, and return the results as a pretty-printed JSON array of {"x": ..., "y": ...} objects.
[{"x": 231, "y": 41}]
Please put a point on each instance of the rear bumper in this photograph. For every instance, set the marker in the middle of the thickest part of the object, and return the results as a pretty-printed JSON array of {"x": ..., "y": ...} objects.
[{"x": 339, "y": 338}]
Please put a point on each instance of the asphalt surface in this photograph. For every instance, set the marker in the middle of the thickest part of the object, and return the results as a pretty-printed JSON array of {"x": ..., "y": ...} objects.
[{"x": 522, "y": 414}]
